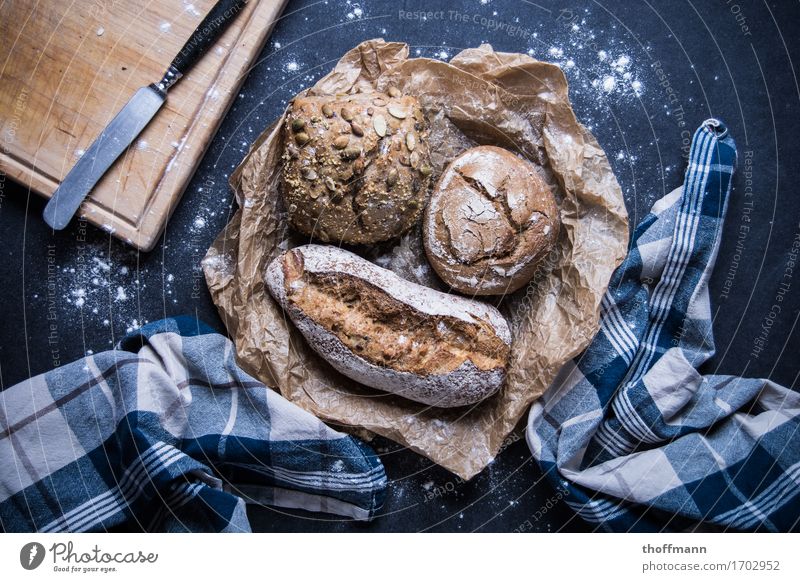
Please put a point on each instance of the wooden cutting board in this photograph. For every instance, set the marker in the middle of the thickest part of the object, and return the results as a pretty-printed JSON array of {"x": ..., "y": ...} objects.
[{"x": 67, "y": 67}]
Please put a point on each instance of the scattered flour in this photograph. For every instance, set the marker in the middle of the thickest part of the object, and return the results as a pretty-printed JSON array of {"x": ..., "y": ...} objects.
[
  {"x": 356, "y": 13},
  {"x": 608, "y": 72},
  {"x": 103, "y": 286},
  {"x": 191, "y": 9},
  {"x": 355, "y": 10},
  {"x": 80, "y": 297}
]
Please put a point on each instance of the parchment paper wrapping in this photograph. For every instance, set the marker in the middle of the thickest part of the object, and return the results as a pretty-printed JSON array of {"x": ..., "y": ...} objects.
[{"x": 480, "y": 97}]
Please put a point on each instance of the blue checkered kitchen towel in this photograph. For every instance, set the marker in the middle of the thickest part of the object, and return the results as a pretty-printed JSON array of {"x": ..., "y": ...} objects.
[
  {"x": 167, "y": 433},
  {"x": 630, "y": 432}
]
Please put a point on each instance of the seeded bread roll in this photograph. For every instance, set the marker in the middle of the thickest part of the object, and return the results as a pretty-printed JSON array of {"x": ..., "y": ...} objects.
[
  {"x": 388, "y": 333},
  {"x": 490, "y": 221},
  {"x": 356, "y": 167}
]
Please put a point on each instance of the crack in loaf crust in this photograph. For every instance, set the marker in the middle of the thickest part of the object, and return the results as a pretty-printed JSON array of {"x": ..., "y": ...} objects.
[
  {"x": 490, "y": 221},
  {"x": 389, "y": 333},
  {"x": 355, "y": 167}
]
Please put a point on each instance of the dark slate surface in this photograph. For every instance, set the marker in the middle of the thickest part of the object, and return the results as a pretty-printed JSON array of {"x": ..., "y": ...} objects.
[{"x": 641, "y": 75}]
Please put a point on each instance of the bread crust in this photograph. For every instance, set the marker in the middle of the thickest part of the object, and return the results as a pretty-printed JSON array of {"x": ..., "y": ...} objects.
[
  {"x": 356, "y": 167},
  {"x": 462, "y": 384},
  {"x": 490, "y": 221}
]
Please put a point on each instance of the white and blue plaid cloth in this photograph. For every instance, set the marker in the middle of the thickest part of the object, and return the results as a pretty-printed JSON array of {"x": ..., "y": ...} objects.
[
  {"x": 632, "y": 434},
  {"x": 167, "y": 433}
]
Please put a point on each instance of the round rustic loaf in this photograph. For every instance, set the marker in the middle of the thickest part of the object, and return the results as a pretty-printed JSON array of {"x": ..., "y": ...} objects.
[
  {"x": 356, "y": 167},
  {"x": 388, "y": 333},
  {"x": 490, "y": 220}
]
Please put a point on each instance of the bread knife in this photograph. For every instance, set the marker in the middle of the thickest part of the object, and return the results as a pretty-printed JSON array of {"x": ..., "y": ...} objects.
[{"x": 132, "y": 119}]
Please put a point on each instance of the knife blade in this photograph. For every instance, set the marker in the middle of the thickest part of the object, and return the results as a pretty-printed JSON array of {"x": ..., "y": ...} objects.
[
  {"x": 133, "y": 118},
  {"x": 104, "y": 151}
]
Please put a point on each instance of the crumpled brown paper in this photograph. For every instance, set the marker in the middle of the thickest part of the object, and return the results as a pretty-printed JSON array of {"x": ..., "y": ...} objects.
[{"x": 480, "y": 97}]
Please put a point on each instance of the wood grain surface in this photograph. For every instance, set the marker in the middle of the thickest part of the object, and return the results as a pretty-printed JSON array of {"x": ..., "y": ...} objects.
[{"x": 66, "y": 68}]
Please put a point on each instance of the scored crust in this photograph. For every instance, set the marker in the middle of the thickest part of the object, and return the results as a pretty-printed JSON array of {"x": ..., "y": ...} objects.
[
  {"x": 490, "y": 220},
  {"x": 388, "y": 333},
  {"x": 355, "y": 167}
]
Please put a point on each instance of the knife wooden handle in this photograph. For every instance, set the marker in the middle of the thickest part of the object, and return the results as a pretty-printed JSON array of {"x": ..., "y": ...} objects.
[{"x": 215, "y": 22}]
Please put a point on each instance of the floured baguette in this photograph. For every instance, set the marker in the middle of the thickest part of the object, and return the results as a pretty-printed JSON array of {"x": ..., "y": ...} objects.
[{"x": 388, "y": 333}]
